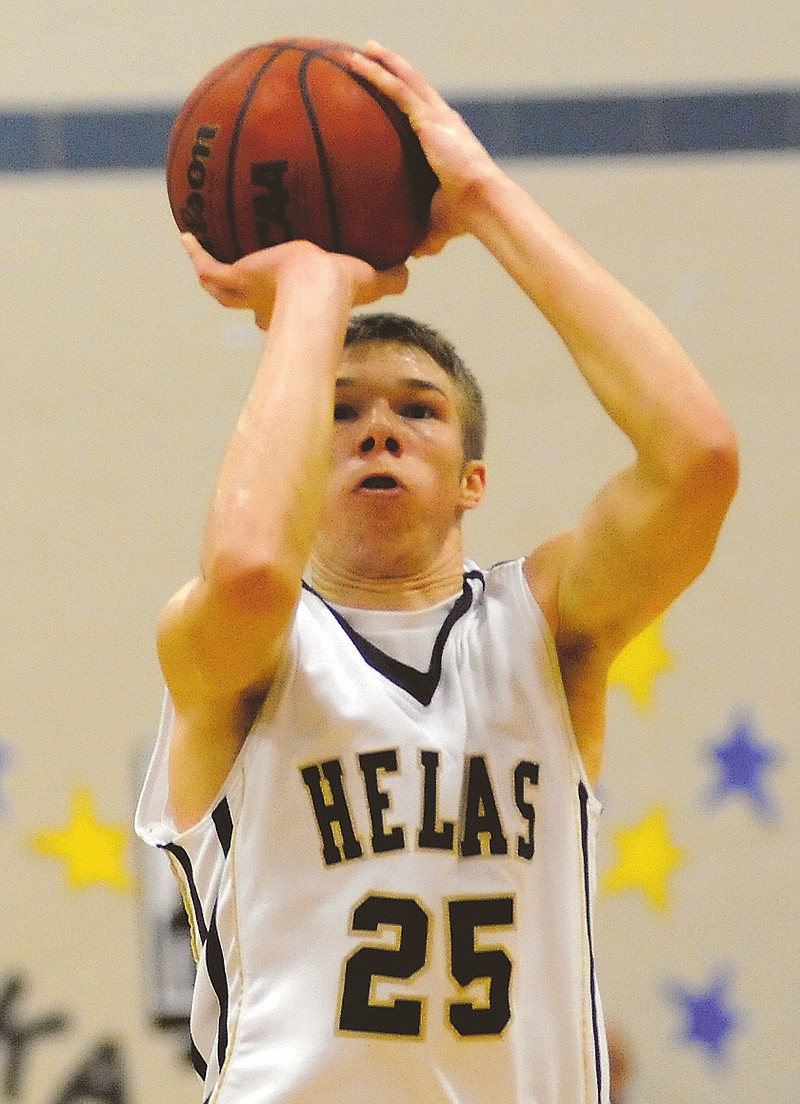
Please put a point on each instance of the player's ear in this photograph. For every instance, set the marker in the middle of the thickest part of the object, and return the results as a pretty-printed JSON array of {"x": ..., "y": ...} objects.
[{"x": 473, "y": 483}]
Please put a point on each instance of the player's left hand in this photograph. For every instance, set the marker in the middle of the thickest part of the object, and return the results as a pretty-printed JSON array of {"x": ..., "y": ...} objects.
[{"x": 459, "y": 160}]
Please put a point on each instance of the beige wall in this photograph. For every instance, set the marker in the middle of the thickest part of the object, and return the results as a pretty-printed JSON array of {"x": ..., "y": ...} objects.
[
  {"x": 121, "y": 382},
  {"x": 102, "y": 51}
]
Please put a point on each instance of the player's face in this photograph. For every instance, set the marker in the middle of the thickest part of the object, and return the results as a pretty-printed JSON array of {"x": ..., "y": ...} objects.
[{"x": 398, "y": 471}]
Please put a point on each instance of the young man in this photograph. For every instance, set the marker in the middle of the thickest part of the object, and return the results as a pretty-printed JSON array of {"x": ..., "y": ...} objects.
[{"x": 376, "y": 786}]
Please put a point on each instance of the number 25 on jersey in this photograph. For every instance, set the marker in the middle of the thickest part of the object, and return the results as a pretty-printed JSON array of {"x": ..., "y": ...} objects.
[{"x": 361, "y": 1012}]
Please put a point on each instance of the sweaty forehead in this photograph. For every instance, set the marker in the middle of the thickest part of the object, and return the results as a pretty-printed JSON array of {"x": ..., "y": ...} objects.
[{"x": 390, "y": 359}]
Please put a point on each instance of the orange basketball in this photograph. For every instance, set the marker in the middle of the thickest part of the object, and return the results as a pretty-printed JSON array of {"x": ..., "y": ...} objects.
[{"x": 282, "y": 141}]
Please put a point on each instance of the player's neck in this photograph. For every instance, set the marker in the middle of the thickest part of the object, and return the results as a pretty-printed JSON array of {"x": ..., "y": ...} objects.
[{"x": 399, "y": 590}]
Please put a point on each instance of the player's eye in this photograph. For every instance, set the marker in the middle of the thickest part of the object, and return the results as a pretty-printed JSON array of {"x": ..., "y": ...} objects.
[
  {"x": 418, "y": 410},
  {"x": 344, "y": 412}
]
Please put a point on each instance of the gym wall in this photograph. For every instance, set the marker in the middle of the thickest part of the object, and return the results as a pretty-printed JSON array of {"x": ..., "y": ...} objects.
[{"x": 666, "y": 139}]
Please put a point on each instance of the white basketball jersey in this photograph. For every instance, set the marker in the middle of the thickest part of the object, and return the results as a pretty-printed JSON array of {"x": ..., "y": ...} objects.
[{"x": 391, "y": 897}]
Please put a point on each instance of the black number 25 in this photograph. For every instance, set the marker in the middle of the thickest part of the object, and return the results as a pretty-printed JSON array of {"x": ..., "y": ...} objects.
[{"x": 468, "y": 963}]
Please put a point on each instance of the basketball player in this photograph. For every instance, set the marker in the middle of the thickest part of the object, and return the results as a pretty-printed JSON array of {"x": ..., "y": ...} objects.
[{"x": 375, "y": 770}]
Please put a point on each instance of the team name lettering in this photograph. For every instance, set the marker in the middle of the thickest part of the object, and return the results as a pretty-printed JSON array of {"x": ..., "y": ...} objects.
[
  {"x": 479, "y": 829},
  {"x": 270, "y": 202},
  {"x": 193, "y": 212}
]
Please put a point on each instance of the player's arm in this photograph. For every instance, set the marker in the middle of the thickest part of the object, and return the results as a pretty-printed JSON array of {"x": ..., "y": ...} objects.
[
  {"x": 651, "y": 530},
  {"x": 222, "y": 635}
]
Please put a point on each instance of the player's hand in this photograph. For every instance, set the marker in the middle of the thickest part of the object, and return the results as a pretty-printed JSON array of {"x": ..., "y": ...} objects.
[
  {"x": 255, "y": 281},
  {"x": 459, "y": 160}
]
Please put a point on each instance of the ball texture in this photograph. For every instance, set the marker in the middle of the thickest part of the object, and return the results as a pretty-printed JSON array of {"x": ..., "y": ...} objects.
[{"x": 282, "y": 141}]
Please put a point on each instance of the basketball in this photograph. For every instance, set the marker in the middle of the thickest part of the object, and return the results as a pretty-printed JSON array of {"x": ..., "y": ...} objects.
[{"x": 282, "y": 141}]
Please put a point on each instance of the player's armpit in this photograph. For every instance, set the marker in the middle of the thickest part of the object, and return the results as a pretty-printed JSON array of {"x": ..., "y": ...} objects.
[
  {"x": 203, "y": 747},
  {"x": 640, "y": 543}
]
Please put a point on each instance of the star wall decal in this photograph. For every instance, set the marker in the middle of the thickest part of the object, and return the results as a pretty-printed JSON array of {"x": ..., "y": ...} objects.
[
  {"x": 639, "y": 664},
  {"x": 708, "y": 1019},
  {"x": 741, "y": 760},
  {"x": 647, "y": 858},
  {"x": 93, "y": 852}
]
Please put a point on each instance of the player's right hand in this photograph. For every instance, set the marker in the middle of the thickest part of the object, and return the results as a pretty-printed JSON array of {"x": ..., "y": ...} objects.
[{"x": 255, "y": 281}]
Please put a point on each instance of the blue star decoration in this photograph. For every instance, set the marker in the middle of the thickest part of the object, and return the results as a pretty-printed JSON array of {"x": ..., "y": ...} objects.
[
  {"x": 741, "y": 760},
  {"x": 709, "y": 1021}
]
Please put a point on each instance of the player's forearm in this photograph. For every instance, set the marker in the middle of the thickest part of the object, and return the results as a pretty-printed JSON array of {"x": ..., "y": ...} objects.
[
  {"x": 270, "y": 488},
  {"x": 635, "y": 367}
]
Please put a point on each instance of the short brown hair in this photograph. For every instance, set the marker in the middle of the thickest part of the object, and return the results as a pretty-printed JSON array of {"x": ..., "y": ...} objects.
[{"x": 401, "y": 330}]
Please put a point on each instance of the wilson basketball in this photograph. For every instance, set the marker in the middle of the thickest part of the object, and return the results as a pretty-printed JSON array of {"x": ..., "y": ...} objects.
[{"x": 282, "y": 141}]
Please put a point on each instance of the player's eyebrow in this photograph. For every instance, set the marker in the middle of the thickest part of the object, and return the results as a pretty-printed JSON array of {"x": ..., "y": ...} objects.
[{"x": 410, "y": 383}]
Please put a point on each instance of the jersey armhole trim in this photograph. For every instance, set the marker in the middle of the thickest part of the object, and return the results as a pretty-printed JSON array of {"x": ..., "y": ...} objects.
[{"x": 546, "y": 635}]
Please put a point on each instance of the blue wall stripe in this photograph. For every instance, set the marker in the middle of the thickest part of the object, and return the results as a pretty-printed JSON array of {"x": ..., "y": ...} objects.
[
  {"x": 736, "y": 121},
  {"x": 701, "y": 122}
]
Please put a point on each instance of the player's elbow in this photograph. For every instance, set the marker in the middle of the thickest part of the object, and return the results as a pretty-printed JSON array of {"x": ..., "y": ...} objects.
[
  {"x": 713, "y": 465},
  {"x": 252, "y": 587},
  {"x": 705, "y": 487}
]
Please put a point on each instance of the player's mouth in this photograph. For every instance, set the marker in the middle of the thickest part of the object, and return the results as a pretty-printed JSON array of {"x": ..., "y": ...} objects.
[{"x": 379, "y": 483}]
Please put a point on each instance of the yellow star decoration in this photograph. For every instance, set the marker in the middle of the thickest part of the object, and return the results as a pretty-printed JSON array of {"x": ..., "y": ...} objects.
[
  {"x": 647, "y": 856},
  {"x": 94, "y": 852},
  {"x": 638, "y": 664}
]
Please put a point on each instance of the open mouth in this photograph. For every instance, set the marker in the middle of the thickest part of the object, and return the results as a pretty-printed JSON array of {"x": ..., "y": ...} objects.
[{"x": 379, "y": 483}]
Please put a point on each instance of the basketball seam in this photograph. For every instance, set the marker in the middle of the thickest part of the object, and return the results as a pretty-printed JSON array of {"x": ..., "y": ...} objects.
[
  {"x": 408, "y": 140},
  {"x": 188, "y": 107},
  {"x": 322, "y": 156},
  {"x": 237, "y": 130}
]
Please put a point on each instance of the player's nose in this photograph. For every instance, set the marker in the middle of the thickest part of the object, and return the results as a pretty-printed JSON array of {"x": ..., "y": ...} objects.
[
  {"x": 381, "y": 431},
  {"x": 377, "y": 440}
]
